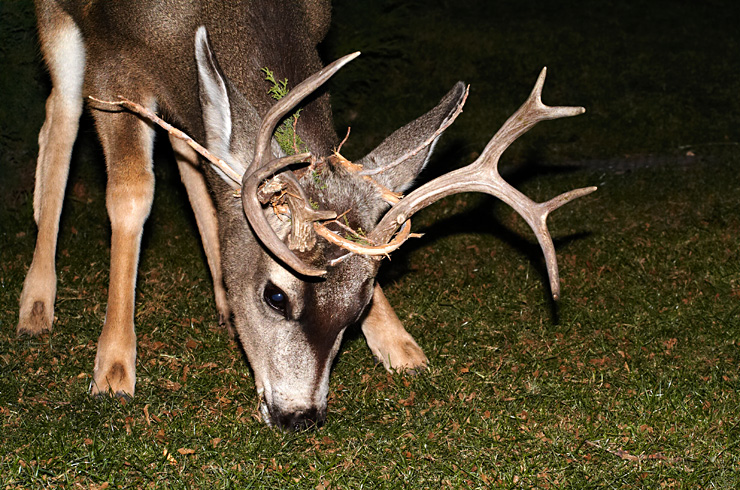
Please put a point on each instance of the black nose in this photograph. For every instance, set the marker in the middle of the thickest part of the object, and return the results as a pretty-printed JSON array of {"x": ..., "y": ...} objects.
[{"x": 305, "y": 419}]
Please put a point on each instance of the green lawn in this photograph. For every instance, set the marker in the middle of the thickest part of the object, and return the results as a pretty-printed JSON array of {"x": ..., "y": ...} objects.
[{"x": 630, "y": 381}]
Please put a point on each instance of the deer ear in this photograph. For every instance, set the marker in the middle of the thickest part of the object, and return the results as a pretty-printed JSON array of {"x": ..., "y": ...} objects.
[
  {"x": 406, "y": 140},
  {"x": 214, "y": 97}
]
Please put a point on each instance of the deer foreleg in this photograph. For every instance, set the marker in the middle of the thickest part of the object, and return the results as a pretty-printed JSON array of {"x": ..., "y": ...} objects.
[
  {"x": 64, "y": 52},
  {"x": 205, "y": 217},
  {"x": 388, "y": 340},
  {"x": 127, "y": 142}
]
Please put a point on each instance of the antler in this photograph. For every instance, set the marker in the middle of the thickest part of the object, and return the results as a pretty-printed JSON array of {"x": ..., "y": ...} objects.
[
  {"x": 278, "y": 111},
  {"x": 301, "y": 214},
  {"x": 482, "y": 176}
]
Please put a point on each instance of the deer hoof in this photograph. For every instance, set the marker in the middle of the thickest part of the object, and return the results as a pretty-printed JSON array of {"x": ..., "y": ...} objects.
[
  {"x": 405, "y": 357},
  {"x": 36, "y": 321},
  {"x": 116, "y": 380}
]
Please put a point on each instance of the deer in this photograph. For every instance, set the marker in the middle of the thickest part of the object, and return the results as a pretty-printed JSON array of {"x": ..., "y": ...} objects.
[{"x": 278, "y": 230}]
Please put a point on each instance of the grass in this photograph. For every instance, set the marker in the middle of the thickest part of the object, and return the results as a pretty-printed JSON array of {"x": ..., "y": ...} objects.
[{"x": 630, "y": 381}]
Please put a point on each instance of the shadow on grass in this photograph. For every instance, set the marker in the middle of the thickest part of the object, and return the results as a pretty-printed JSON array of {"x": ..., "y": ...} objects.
[{"x": 483, "y": 218}]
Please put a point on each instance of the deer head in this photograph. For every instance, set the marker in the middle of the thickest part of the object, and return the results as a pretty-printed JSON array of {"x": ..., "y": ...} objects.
[{"x": 296, "y": 275}]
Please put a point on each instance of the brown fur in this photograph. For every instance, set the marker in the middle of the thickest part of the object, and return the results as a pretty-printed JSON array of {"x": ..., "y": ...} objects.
[{"x": 145, "y": 50}]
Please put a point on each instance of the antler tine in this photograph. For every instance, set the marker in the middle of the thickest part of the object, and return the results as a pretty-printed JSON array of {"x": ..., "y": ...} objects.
[
  {"x": 278, "y": 111},
  {"x": 529, "y": 114},
  {"x": 253, "y": 208},
  {"x": 257, "y": 173},
  {"x": 538, "y": 223},
  {"x": 482, "y": 176},
  {"x": 302, "y": 235}
]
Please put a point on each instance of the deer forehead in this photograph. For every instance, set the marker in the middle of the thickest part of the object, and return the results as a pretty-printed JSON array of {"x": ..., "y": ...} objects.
[{"x": 358, "y": 201}]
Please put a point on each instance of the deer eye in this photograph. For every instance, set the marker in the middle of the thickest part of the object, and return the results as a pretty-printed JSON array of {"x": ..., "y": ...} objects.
[{"x": 276, "y": 298}]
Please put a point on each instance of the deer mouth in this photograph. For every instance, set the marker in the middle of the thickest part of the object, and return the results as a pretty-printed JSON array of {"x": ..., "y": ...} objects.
[{"x": 310, "y": 418}]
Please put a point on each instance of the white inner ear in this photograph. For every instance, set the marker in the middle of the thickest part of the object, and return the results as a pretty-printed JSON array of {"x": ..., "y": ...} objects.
[
  {"x": 215, "y": 103},
  {"x": 432, "y": 146}
]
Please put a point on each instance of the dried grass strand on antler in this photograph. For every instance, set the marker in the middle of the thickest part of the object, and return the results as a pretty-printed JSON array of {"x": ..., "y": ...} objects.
[
  {"x": 253, "y": 206},
  {"x": 362, "y": 249},
  {"x": 386, "y": 194}
]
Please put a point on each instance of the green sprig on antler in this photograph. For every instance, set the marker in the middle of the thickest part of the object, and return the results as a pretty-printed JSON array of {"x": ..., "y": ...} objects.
[{"x": 285, "y": 133}]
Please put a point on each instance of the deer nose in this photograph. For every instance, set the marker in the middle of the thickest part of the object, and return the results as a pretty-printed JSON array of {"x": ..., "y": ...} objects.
[{"x": 302, "y": 420}]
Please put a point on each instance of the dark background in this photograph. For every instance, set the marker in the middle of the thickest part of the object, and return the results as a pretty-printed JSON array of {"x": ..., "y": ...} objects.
[{"x": 657, "y": 78}]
